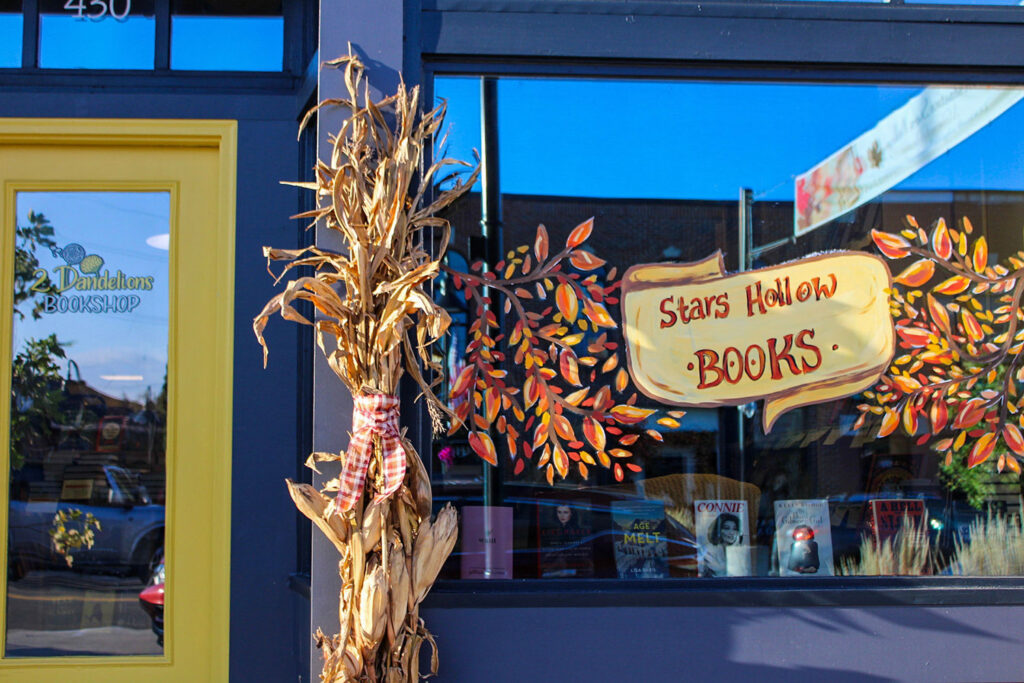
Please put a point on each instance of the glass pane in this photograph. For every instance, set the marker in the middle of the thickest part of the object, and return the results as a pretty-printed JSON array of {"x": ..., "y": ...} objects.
[
  {"x": 10, "y": 34},
  {"x": 97, "y": 34},
  {"x": 687, "y": 488},
  {"x": 88, "y": 424},
  {"x": 219, "y": 36}
]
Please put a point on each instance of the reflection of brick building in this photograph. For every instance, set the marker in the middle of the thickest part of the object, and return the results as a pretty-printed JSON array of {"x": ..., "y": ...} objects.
[{"x": 629, "y": 231}]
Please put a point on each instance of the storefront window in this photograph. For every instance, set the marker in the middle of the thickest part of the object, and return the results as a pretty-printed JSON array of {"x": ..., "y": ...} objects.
[
  {"x": 709, "y": 470},
  {"x": 88, "y": 424},
  {"x": 10, "y": 34},
  {"x": 99, "y": 34},
  {"x": 219, "y": 36}
]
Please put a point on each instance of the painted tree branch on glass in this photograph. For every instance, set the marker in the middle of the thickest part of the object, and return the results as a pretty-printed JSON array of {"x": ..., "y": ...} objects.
[{"x": 957, "y": 317}]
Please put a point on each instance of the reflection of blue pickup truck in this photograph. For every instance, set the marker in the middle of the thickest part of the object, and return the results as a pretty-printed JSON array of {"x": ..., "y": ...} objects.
[{"x": 132, "y": 527}]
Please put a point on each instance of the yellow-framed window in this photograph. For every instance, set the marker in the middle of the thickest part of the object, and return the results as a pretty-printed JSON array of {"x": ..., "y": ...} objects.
[{"x": 187, "y": 167}]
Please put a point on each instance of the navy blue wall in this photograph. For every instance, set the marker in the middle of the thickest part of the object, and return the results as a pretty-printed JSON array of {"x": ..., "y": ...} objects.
[
  {"x": 723, "y": 644},
  {"x": 265, "y": 614}
]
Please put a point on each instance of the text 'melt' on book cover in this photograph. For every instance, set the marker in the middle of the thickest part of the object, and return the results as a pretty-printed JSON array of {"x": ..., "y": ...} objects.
[
  {"x": 723, "y": 539},
  {"x": 641, "y": 548},
  {"x": 565, "y": 535},
  {"x": 803, "y": 536},
  {"x": 887, "y": 515},
  {"x": 486, "y": 542}
]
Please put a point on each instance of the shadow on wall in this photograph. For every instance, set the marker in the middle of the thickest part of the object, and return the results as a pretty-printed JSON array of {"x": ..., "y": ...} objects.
[{"x": 725, "y": 644}]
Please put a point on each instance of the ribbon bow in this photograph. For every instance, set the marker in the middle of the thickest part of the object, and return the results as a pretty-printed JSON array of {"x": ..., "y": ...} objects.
[{"x": 374, "y": 414}]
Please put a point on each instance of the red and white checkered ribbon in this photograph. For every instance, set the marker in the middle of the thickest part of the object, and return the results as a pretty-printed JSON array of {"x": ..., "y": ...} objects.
[{"x": 374, "y": 414}]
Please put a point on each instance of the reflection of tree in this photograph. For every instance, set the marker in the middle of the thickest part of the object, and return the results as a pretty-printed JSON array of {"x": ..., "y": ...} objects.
[
  {"x": 38, "y": 233},
  {"x": 35, "y": 376},
  {"x": 35, "y": 396}
]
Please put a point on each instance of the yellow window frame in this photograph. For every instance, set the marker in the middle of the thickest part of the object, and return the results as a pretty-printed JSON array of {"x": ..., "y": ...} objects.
[{"x": 195, "y": 162}]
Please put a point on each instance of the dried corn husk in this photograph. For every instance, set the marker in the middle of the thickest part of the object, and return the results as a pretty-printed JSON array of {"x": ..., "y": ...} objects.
[
  {"x": 373, "y": 602},
  {"x": 433, "y": 546},
  {"x": 374, "y": 322}
]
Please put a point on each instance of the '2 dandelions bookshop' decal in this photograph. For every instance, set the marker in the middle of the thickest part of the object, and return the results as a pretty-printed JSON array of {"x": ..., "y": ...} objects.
[
  {"x": 801, "y": 333},
  {"x": 82, "y": 285}
]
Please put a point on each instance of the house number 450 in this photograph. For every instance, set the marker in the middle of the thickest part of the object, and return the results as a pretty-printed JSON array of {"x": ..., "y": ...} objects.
[{"x": 97, "y": 9}]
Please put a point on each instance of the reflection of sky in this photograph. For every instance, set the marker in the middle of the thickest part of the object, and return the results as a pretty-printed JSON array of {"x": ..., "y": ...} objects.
[
  {"x": 114, "y": 226},
  {"x": 227, "y": 43},
  {"x": 679, "y": 140},
  {"x": 67, "y": 42},
  {"x": 10, "y": 40}
]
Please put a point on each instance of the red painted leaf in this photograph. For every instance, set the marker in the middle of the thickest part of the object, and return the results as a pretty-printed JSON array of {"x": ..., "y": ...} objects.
[
  {"x": 982, "y": 449},
  {"x": 893, "y": 246},
  {"x": 482, "y": 445}
]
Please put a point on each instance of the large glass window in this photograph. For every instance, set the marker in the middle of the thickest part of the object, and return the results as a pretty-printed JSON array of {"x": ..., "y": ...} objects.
[
  {"x": 88, "y": 424},
  {"x": 98, "y": 34},
  {"x": 209, "y": 35},
  {"x": 10, "y": 34},
  {"x": 610, "y": 465}
]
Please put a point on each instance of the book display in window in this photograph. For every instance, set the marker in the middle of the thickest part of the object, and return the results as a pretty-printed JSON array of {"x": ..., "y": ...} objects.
[
  {"x": 486, "y": 542},
  {"x": 565, "y": 534},
  {"x": 723, "y": 541},
  {"x": 888, "y": 515},
  {"x": 803, "y": 537},
  {"x": 641, "y": 549}
]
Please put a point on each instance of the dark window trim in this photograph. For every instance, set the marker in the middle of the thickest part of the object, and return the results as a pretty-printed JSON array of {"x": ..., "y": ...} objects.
[
  {"x": 936, "y": 591},
  {"x": 77, "y": 80},
  {"x": 858, "y": 35}
]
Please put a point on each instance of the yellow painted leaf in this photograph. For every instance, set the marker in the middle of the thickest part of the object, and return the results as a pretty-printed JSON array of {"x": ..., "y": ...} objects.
[{"x": 626, "y": 414}]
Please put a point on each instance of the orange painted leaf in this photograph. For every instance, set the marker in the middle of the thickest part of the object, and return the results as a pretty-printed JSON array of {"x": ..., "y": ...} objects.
[
  {"x": 598, "y": 314},
  {"x": 540, "y": 435},
  {"x": 540, "y": 244},
  {"x": 968, "y": 226},
  {"x": 909, "y": 418},
  {"x": 569, "y": 367},
  {"x": 982, "y": 449},
  {"x": 580, "y": 234},
  {"x": 618, "y": 472},
  {"x": 512, "y": 447},
  {"x": 584, "y": 260},
  {"x": 939, "y": 313},
  {"x": 568, "y": 304},
  {"x": 492, "y": 402},
  {"x": 893, "y": 246},
  {"x": 610, "y": 364},
  {"x": 1013, "y": 439},
  {"x": 621, "y": 380},
  {"x": 971, "y": 325},
  {"x": 954, "y": 285},
  {"x": 482, "y": 445},
  {"x": 561, "y": 460},
  {"x": 914, "y": 336},
  {"x": 938, "y": 415},
  {"x": 890, "y": 421},
  {"x": 633, "y": 467},
  {"x": 969, "y": 415},
  {"x": 550, "y": 474},
  {"x": 917, "y": 273},
  {"x": 464, "y": 381},
  {"x": 980, "y": 257},
  {"x": 1013, "y": 465},
  {"x": 942, "y": 245},
  {"x": 594, "y": 432},
  {"x": 625, "y": 414},
  {"x": 584, "y": 471},
  {"x": 906, "y": 384},
  {"x": 563, "y": 428}
]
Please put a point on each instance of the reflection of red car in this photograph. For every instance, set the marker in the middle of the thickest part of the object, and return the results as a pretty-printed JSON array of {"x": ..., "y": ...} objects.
[{"x": 152, "y": 600}]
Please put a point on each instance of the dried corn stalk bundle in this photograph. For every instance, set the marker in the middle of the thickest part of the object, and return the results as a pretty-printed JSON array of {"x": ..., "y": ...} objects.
[{"x": 375, "y": 322}]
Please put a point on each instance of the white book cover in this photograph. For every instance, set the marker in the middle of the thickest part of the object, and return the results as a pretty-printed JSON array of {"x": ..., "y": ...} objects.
[
  {"x": 803, "y": 536},
  {"x": 723, "y": 537}
]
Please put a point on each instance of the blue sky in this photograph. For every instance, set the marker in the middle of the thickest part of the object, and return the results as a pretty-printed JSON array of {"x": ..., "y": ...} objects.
[
  {"x": 686, "y": 140},
  {"x": 116, "y": 227}
]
